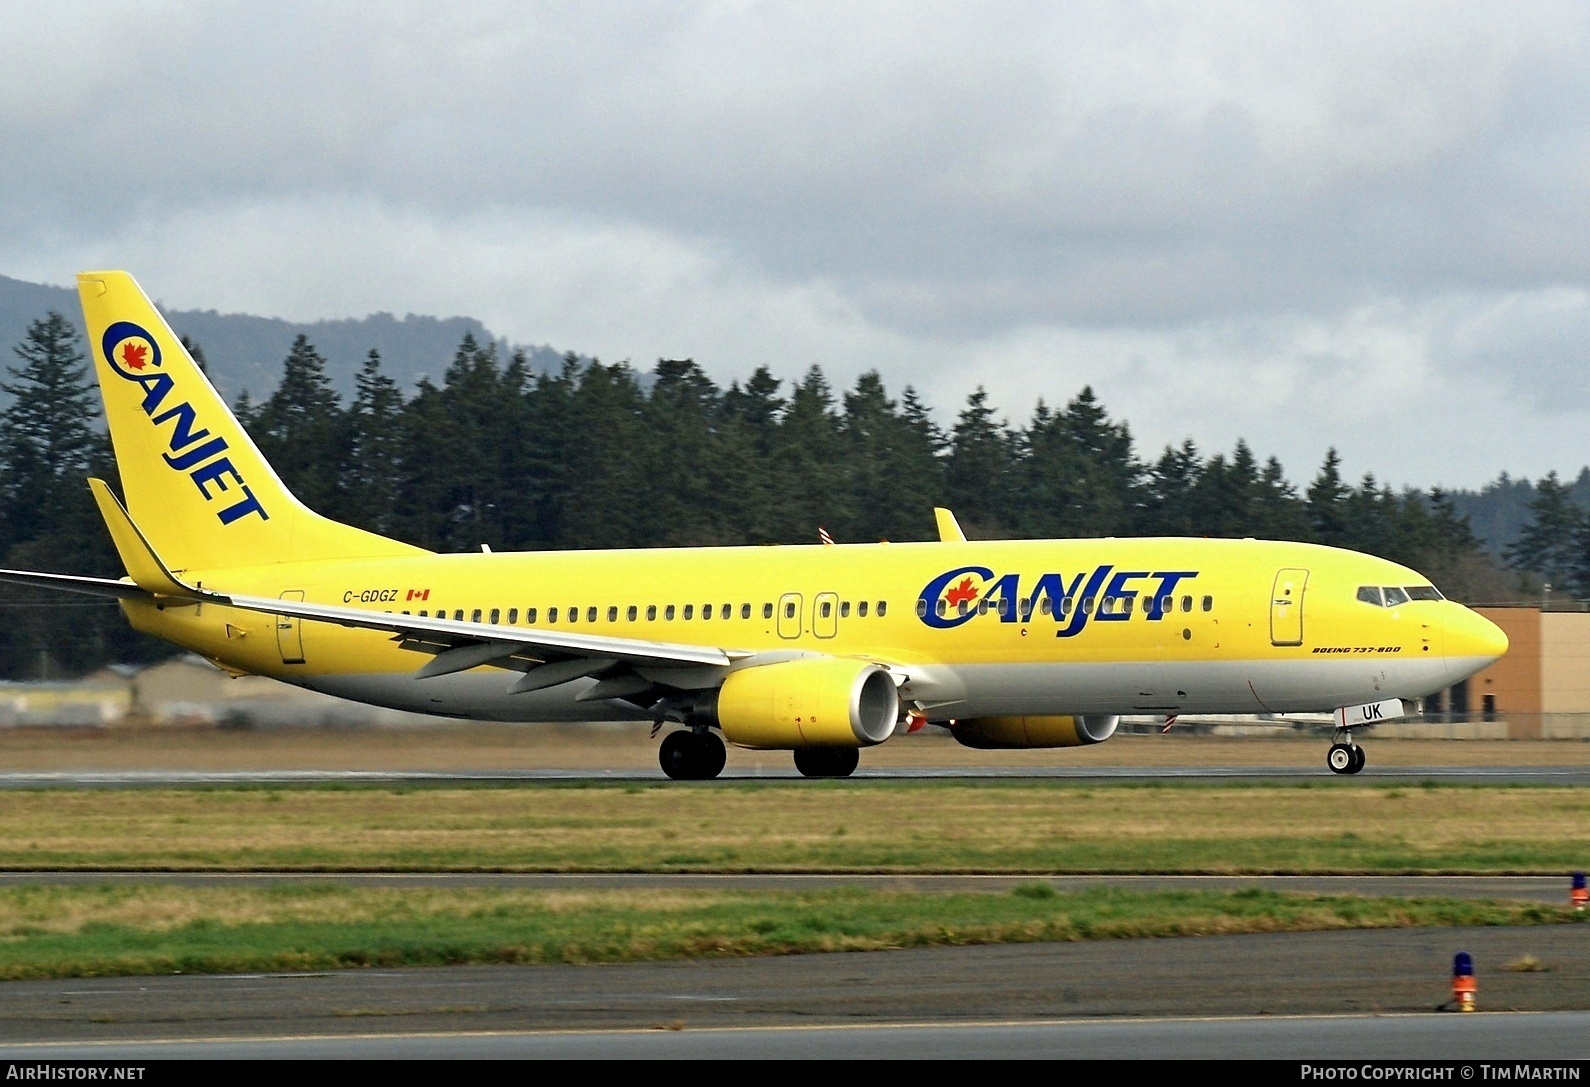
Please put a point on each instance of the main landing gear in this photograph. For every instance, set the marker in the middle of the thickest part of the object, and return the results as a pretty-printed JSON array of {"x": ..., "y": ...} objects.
[
  {"x": 688, "y": 755},
  {"x": 1345, "y": 757},
  {"x": 827, "y": 762}
]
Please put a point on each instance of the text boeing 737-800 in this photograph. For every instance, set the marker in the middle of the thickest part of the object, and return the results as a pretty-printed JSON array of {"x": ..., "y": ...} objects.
[{"x": 820, "y": 650}]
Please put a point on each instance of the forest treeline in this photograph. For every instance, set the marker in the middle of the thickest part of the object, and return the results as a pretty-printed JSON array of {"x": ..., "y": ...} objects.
[{"x": 601, "y": 456}]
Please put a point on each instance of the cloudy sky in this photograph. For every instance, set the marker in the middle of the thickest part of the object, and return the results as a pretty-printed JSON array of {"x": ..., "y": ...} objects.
[{"x": 1361, "y": 225}]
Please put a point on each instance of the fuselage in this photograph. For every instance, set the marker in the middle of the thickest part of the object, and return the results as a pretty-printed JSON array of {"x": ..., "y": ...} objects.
[{"x": 1085, "y": 626}]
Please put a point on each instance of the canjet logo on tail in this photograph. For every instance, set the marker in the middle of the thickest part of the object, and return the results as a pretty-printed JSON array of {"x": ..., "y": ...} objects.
[
  {"x": 135, "y": 355},
  {"x": 1105, "y": 594}
]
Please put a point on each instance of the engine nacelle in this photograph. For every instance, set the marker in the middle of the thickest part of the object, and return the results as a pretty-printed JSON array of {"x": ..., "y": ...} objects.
[
  {"x": 815, "y": 702},
  {"x": 1053, "y": 731}
]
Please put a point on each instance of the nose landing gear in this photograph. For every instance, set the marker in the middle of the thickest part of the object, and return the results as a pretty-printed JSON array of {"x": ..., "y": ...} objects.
[{"x": 1345, "y": 757}]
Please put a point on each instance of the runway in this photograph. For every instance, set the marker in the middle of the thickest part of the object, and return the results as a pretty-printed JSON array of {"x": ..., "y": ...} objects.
[
  {"x": 1210, "y": 775},
  {"x": 1467, "y": 1039},
  {"x": 1349, "y": 995},
  {"x": 1551, "y": 890}
]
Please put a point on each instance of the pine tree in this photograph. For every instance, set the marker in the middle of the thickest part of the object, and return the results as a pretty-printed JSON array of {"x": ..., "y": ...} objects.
[
  {"x": 372, "y": 472},
  {"x": 50, "y": 446},
  {"x": 1547, "y": 545},
  {"x": 301, "y": 429},
  {"x": 807, "y": 463},
  {"x": 977, "y": 473},
  {"x": 1171, "y": 495},
  {"x": 1327, "y": 503}
]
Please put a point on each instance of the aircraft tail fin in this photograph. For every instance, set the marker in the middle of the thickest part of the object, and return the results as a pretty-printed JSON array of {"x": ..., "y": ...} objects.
[{"x": 199, "y": 490}]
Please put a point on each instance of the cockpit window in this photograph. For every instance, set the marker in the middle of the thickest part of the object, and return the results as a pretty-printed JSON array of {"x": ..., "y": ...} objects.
[
  {"x": 1370, "y": 594},
  {"x": 1395, "y": 596},
  {"x": 1424, "y": 592}
]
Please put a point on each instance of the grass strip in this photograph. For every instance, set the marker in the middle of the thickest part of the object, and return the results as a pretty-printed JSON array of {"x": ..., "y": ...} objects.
[
  {"x": 1009, "y": 827},
  {"x": 54, "y": 931}
]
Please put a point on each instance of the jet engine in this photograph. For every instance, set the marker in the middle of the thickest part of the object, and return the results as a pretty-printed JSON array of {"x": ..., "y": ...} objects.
[
  {"x": 1051, "y": 731},
  {"x": 814, "y": 702}
]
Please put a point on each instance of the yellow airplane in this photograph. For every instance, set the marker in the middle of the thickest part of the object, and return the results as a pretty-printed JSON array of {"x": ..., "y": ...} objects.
[{"x": 820, "y": 650}]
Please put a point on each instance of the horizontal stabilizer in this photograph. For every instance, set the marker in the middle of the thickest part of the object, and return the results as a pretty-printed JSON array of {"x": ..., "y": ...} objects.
[{"x": 140, "y": 559}]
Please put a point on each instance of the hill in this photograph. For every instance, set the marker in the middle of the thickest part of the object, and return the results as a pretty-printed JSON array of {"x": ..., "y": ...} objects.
[{"x": 246, "y": 352}]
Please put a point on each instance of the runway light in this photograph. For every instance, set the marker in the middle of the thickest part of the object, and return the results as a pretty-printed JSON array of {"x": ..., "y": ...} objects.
[
  {"x": 1464, "y": 987},
  {"x": 1579, "y": 896}
]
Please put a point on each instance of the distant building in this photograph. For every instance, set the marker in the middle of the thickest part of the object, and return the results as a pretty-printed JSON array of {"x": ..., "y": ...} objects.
[{"x": 1539, "y": 690}]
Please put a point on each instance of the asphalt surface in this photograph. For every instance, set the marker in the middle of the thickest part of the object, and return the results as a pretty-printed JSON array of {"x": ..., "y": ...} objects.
[
  {"x": 1546, "y": 889},
  {"x": 1272, "y": 995},
  {"x": 1454, "y": 1041},
  {"x": 1472, "y": 775}
]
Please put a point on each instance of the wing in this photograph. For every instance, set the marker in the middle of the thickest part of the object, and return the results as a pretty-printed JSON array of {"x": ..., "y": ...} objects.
[{"x": 546, "y": 657}]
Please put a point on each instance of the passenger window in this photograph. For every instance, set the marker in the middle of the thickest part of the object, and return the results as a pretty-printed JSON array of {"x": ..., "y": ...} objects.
[
  {"x": 651, "y": 613},
  {"x": 690, "y": 611},
  {"x": 1370, "y": 594},
  {"x": 767, "y": 610},
  {"x": 1045, "y": 605},
  {"x": 1107, "y": 606},
  {"x": 921, "y": 608},
  {"x": 424, "y": 612},
  {"x": 632, "y": 613},
  {"x": 706, "y": 611},
  {"x": 982, "y": 606},
  {"x": 789, "y": 610},
  {"x": 552, "y": 615},
  {"x": 612, "y": 614},
  {"x": 1087, "y": 605},
  {"x": 1209, "y": 603},
  {"x": 496, "y": 616},
  {"x": 1126, "y": 605},
  {"x": 745, "y": 611},
  {"x": 574, "y": 615},
  {"x": 883, "y": 608},
  {"x": 828, "y": 608},
  {"x": 727, "y": 612},
  {"x": 1066, "y": 604},
  {"x": 530, "y": 615},
  {"x": 861, "y": 610},
  {"x": 1395, "y": 596},
  {"x": 668, "y": 613},
  {"x": 474, "y": 616},
  {"x": 513, "y": 616},
  {"x": 458, "y": 616},
  {"x": 1186, "y": 603},
  {"x": 943, "y": 607},
  {"x": 590, "y": 615},
  {"x": 844, "y": 609}
]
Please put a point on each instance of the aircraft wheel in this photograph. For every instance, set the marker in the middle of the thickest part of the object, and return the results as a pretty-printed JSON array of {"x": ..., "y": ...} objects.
[
  {"x": 1358, "y": 760},
  {"x": 1341, "y": 759},
  {"x": 827, "y": 762},
  {"x": 687, "y": 756},
  {"x": 713, "y": 755}
]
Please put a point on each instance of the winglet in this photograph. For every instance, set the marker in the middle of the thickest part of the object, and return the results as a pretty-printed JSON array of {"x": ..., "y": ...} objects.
[
  {"x": 949, "y": 527},
  {"x": 145, "y": 567}
]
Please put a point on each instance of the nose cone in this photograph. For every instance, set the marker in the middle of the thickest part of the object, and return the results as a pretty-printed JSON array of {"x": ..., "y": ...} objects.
[{"x": 1472, "y": 642}]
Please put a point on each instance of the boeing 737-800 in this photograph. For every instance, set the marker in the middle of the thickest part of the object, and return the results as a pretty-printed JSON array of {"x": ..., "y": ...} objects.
[{"x": 820, "y": 650}]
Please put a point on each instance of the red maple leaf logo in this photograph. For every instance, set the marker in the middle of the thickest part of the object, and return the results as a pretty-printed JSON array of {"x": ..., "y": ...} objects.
[
  {"x": 133, "y": 355},
  {"x": 961, "y": 594}
]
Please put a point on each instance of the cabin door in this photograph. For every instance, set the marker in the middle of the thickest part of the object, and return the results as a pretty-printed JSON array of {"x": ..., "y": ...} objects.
[
  {"x": 789, "y": 615},
  {"x": 1286, "y": 607},
  {"x": 290, "y": 632}
]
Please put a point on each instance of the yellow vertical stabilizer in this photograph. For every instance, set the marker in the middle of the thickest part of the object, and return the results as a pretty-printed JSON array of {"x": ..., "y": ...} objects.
[{"x": 195, "y": 483}]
